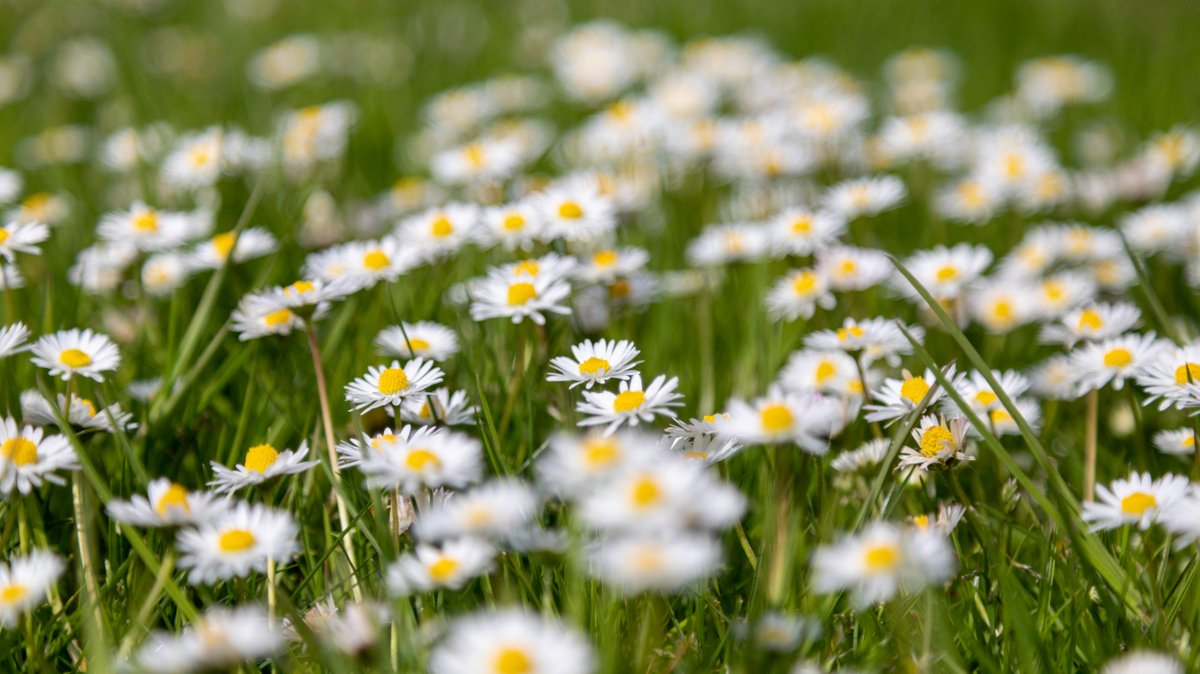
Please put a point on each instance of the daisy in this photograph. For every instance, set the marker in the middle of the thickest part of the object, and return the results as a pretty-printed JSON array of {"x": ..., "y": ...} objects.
[
  {"x": 17, "y": 237},
  {"x": 806, "y": 419},
  {"x": 448, "y": 566},
  {"x": 221, "y": 639},
  {"x": 595, "y": 363},
  {"x": 849, "y": 268},
  {"x": 237, "y": 542},
  {"x": 1001, "y": 305},
  {"x": 798, "y": 295},
  {"x": 1114, "y": 360},
  {"x": 262, "y": 463},
  {"x": 698, "y": 439},
  {"x": 448, "y": 409},
  {"x": 167, "y": 504},
  {"x": 518, "y": 297},
  {"x": 1091, "y": 323},
  {"x": 392, "y": 385},
  {"x": 1138, "y": 499},
  {"x": 897, "y": 397},
  {"x": 1178, "y": 442},
  {"x": 82, "y": 413},
  {"x": 832, "y": 372},
  {"x": 873, "y": 338},
  {"x": 1055, "y": 379},
  {"x": 970, "y": 200},
  {"x": 940, "y": 442},
  {"x": 575, "y": 211},
  {"x": 660, "y": 495},
  {"x": 261, "y": 314},
  {"x": 1143, "y": 662},
  {"x": 514, "y": 226},
  {"x": 164, "y": 273},
  {"x": 424, "y": 339},
  {"x": 802, "y": 231},
  {"x": 573, "y": 463},
  {"x": 13, "y": 339},
  {"x": 428, "y": 457},
  {"x": 784, "y": 633},
  {"x": 864, "y": 196},
  {"x": 610, "y": 264},
  {"x": 550, "y": 265},
  {"x": 25, "y": 582},
  {"x": 980, "y": 395},
  {"x": 866, "y": 456},
  {"x": 1002, "y": 423},
  {"x": 944, "y": 272},
  {"x": 1064, "y": 291},
  {"x": 510, "y": 641},
  {"x": 495, "y": 510},
  {"x": 352, "y": 630},
  {"x": 195, "y": 162},
  {"x": 632, "y": 403},
  {"x": 250, "y": 243},
  {"x": 150, "y": 229},
  {"x": 28, "y": 458},
  {"x": 943, "y": 522},
  {"x": 722, "y": 244},
  {"x": 484, "y": 159},
  {"x": 881, "y": 561},
  {"x": 440, "y": 231},
  {"x": 1172, "y": 377},
  {"x": 665, "y": 564}
]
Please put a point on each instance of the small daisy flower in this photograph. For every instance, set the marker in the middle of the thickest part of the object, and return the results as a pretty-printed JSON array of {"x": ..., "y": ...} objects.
[
  {"x": 518, "y": 297},
  {"x": 806, "y": 419},
  {"x": 440, "y": 407},
  {"x": 222, "y": 639},
  {"x": 195, "y": 162},
  {"x": 784, "y": 633},
  {"x": 82, "y": 413},
  {"x": 971, "y": 201},
  {"x": 801, "y": 231},
  {"x": 944, "y": 272},
  {"x": 167, "y": 504},
  {"x": 440, "y": 231},
  {"x": 574, "y": 463},
  {"x": 1002, "y": 423},
  {"x": 150, "y": 229},
  {"x": 698, "y": 439},
  {"x": 798, "y": 295},
  {"x": 575, "y": 211},
  {"x": 980, "y": 395},
  {"x": 425, "y": 339},
  {"x": 660, "y": 495},
  {"x": 446, "y": 567},
  {"x": 940, "y": 442},
  {"x": 550, "y": 265},
  {"x": 943, "y": 522},
  {"x": 1055, "y": 378},
  {"x": 1064, "y": 291},
  {"x": 1091, "y": 323},
  {"x": 262, "y": 463},
  {"x": 864, "y": 196},
  {"x": 516, "y": 226},
  {"x": 13, "y": 339},
  {"x": 595, "y": 363},
  {"x": 390, "y": 386},
  {"x": 237, "y": 542},
  {"x": 873, "y": 338},
  {"x": 631, "y": 404},
  {"x": 262, "y": 314},
  {"x": 1143, "y": 662},
  {"x": 667, "y": 563},
  {"x": 610, "y": 264},
  {"x": 1114, "y": 360},
  {"x": 510, "y": 641},
  {"x": 76, "y": 352},
  {"x": 1178, "y": 442},
  {"x": 495, "y": 510},
  {"x": 897, "y": 397},
  {"x": 40, "y": 207},
  {"x": 722, "y": 244},
  {"x": 362, "y": 264},
  {"x": 25, "y": 582},
  {"x": 17, "y": 237},
  {"x": 881, "y": 561},
  {"x": 1138, "y": 499},
  {"x": 428, "y": 457},
  {"x": 352, "y": 630},
  {"x": 831, "y": 372},
  {"x": 249, "y": 244},
  {"x": 484, "y": 159},
  {"x": 28, "y": 457},
  {"x": 866, "y": 456},
  {"x": 164, "y": 273},
  {"x": 1001, "y": 305},
  {"x": 849, "y": 268},
  {"x": 1172, "y": 377}
]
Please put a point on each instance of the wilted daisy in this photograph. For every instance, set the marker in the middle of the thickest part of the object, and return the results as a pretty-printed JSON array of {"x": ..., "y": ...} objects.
[
  {"x": 262, "y": 462},
  {"x": 390, "y": 386},
  {"x": 237, "y": 542},
  {"x": 427, "y": 457},
  {"x": 25, "y": 582},
  {"x": 1112, "y": 361},
  {"x": 1178, "y": 442},
  {"x": 662, "y": 563},
  {"x": 1138, "y": 499},
  {"x": 495, "y": 510},
  {"x": 17, "y": 237},
  {"x": 167, "y": 504},
  {"x": 510, "y": 641},
  {"x": 940, "y": 442},
  {"x": 447, "y": 566},
  {"x": 76, "y": 352},
  {"x": 424, "y": 339},
  {"x": 849, "y": 268},
  {"x": 13, "y": 339},
  {"x": 1092, "y": 323},
  {"x": 871, "y": 339},
  {"x": 632, "y": 403},
  {"x": 881, "y": 561},
  {"x": 82, "y": 413},
  {"x": 221, "y": 639},
  {"x": 595, "y": 363},
  {"x": 28, "y": 457},
  {"x": 897, "y": 397},
  {"x": 352, "y": 630},
  {"x": 806, "y": 419},
  {"x": 864, "y": 196},
  {"x": 518, "y": 297},
  {"x": 798, "y": 295},
  {"x": 943, "y": 522}
]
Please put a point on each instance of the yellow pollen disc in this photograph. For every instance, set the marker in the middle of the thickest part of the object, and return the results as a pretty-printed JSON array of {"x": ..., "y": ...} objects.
[
  {"x": 628, "y": 401},
  {"x": 528, "y": 267},
  {"x": 146, "y": 221},
  {"x": 277, "y": 318},
  {"x": 846, "y": 268},
  {"x": 1000, "y": 416},
  {"x": 474, "y": 155},
  {"x": 3, "y": 234},
  {"x": 619, "y": 289},
  {"x": 883, "y": 557},
  {"x": 947, "y": 273},
  {"x": 802, "y": 225},
  {"x": 985, "y": 398},
  {"x": 235, "y": 540},
  {"x": 852, "y": 331},
  {"x": 420, "y": 459},
  {"x": 921, "y": 522},
  {"x": 36, "y": 202},
  {"x": 260, "y": 457},
  {"x": 392, "y": 380},
  {"x": 605, "y": 258},
  {"x": 13, "y": 592},
  {"x": 1090, "y": 320},
  {"x": 376, "y": 260},
  {"x": 300, "y": 287},
  {"x": 1189, "y": 441},
  {"x": 417, "y": 345},
  {"x": 1138, "y": 503},
  {"x": 513, "y": 222},
  {"x": 478, "y": 517},
  {"x": 512, "y": 660},
  {"x": 176, "y": 496},
  {"x": 693, "y": 454},
  {"x": 776, "y": 418},
  {"x": 937, "y": 439},
  {"x": 425, "y": 412},
  {"x": 88, "y": 405},
  {"x": 200, "y": 156},
  {"x": 914, "y": 389},
  {"x": 1014, "y": 166},
  {"x": 804, "y": 282},
  {"x": 971, "y": 194},
  {"x": 74, "y": 358},
  {"x": 648, "y": 560},
  {"x": 593, "y": 366},
  {"x": 442, "y": 569},
  {"x": 1002, "y": 311},
  {"x": 854, "y": 386},
  {"x": 378, "y": 440},
  {"x": 224, "y": 243},
  {"x": 599, "y": 453},
  {"x": 520, "y": 293},
  {"x": 569, "y": 210},
  {"x": 441, "y": 227},
  {"x": 20, "y": 451},
  {"x": 1189, "y": 373},
  {"x": 825, "y": 371},
  {"x": 645, "y": 492},
  {"x": 1054, "y": 290},
  {"x": 1118, "y": 358}
]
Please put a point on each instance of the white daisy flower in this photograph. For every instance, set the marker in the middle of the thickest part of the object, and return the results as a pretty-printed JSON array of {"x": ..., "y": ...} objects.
[
  {"x": 237, "y": 542},
  {"x": 1143, "y": 662},
  {"x": 806, "y": 419},
  {"x": 518, "y": 297},
  {"x": 874, "y": 338},
  {"x": 798, "y": 295},
  {"x": 698, "y": 439},
  {"x": 18, "y": 237},
  {"x": 495, "y": 510},
  {"x": 595, "y": 363},
  {"x": 864, "y": 196},
  {"x": 424, "y": 339},
  {"x": 1172, "y": 377},
  {"x": 82, "y": 414},
  {"x": 448, "y": 409},
  {"x": 261, "y": 314},
  {"x": 658, "y": 493},
  {"x": 28, "y": 457},
  {"x": 881, "y": 561},
  {"x": 1091, "y": 323},
  {"x": 802, "y": 231},
  {"x": 40, "y": 207},
  {"x": 1112, "y": 361},
  {"x": 940, "y": 442},
  {"x": 1002, "y": 423},
  {"x": 664, "y": 563},
  {"x": 574, "y": 463},
  {"x": 76, "y": 352},
  {"x": 13, "y": 339},
  {"x": 849, "y": 268},
  {"x": 944, "y": 272},
  {"x": 1001, "y": 305},
  {"x": 980, "y": 395},
  {"x": 1061, "y": 292},
  {"x": 550, "y": 265},
  {"x": 392, "y": 385},
  {"x": 250, "y": 243},
  {"x": 150, "y": 229},
  {"x": 575, "y": 211},
  {"x": 610, "y": 264},
  {"x": 943, "y": 522},
  {"x": 262, "y": 463},
  {"x": 483, "y": 159},
  {"x": 866, "y": 456},
  {"x": 971, "y": 200},
  {"x": 221, "y": 639},
  {"x": 167, "y": 504},
  {"x": 24, "y": 583},
  {"x": 515, "y": 226},
  {"x": 164, "y": 273},
  {"x": 632, "y": 403},
  {"x": 1138, "y": 499},
  {"x": 195, "y": 162},
  {"x": 1178, "y": 442},
  {"x": 11, "y": 185},
  {"x": 832, "y": 372},
  {"x": 352, "y": 630},
  {"x": 439, "y": 231},
  {"x": 427, "y": 457},
  {"x": 510, "y": 641},
  {"x": 1055, "y": 379},
  {"x": 722, "y": 244},
  {"x": 897, "y": 397},
  {"x": 447, "y": 566}
]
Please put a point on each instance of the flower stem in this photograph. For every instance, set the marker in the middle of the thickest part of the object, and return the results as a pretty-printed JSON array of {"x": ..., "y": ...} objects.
[
  {"x": 91, "y": 585},
  {"x": 1089, "y": 448}
]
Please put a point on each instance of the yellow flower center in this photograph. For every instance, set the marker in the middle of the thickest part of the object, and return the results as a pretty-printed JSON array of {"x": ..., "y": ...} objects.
[
  {"x": 512, "y": 660},
  {"x": 415, "y": 345},
  {"x": 947, "y": 273},
  {"x": 605, "y": 258},
  {"x": 520, "y": 293},
  {"x": 474, "y": 155},
  {"x": 802, "y": 225},
  {"x": 881, "y": 557},
  {"x": 852, "y": 331},
  {"x": 392, "y": 380},
  {"x": 20, "y": 451},
  {"x": 146, "y": 221},
  {"x": 628, "y": 401},
  {"x": 235, "y": 540},
  {"x": 13, "y": 592},
  {"x": 376, "y": 260},
  {"x": 513, "y": 222},
  {"x": 441, "y": 227},
  {"x": 1054, "y": 290},
  {"x": 527, "y": 267},
  {"x": 300, "y": 288},
  {"x": 176, "y": 496},
  {"x": 1138, "y": 503},
  {"x": 985, "y": 398},
  {"x": 825, "y": 371},
  {"x": 420, "y": 459},
  {"x": 569, "y": 210},
  {"x": 847, "y": 267},
  {"x": 645, "y": 492},
  {"x": 914, "y": 389},
  {"x": 1014, "y": 166},
  {"x": 921, "y": 522},
  {"x": 277, "y": 318},
  {"x": 3, "y": 234},
  {"x": 776, "y": 418},
  {"x": 971, "y": 194},
  {"x": 1188, "y": 373},
  {"x": 442, "y": 569},
  {"x": 74, "y": 358},
  {"x": 600, "y": 453},
  {"x": 937, "y": 439},
  {"x": 224, "y": 243},
  {"x": 1001, "y": 416},
  {"x": 619, "y": 289},
  {"x": 260, "y": 457},
  {"x": 1090, "y": 320},
  {"x": 593, "y": 366},
  {"x": 804, "y": 282},
  {"x": 1118, "y": 358}
]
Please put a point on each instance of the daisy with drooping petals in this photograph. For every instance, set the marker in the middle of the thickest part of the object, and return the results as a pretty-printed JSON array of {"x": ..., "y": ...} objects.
[
  {"x": 495, "y": 510},
  {"x": 427, "y": 457},
  {"x": 501, "y": 295},
  {"x": 595, "y": 363},
  {"x": 24, "y": 583},
  {"x": 881, "y": 561},
  {"x": 439, "y": 407},
  {"x": 1092, "y": 323},
  {"x": 167, "y": 504},
  {"x": 28, "y": 457},
  {"x": 221, "y": 639},
  {"x": 631, "y": 404},
  {"x": 351, "y": 630},
  {"x": 1112, "y": 361},
  {"x": 1138, "y": 499},
  {"x": 511, "y": 641},
  {"x": 864, "y": 196},
  {"x": 424, "y": 339},
  {"x": 13, "y": 339},
  {"x": 665, "y": 563},
  {"x": 658, "y": 493},
  {"x": 16, "y": 237},
  {"x": 237, "y": 542},
  {"x": 448, "y": 566},
  {"x": 940, "y": 442},
  {"x": 390, "y": 386},
  {"x": 806, "y": 419},
  {"x": 262, "y": 463},
  {"x": 76, "y": 352},
  {"x": 798, "y": 295}
]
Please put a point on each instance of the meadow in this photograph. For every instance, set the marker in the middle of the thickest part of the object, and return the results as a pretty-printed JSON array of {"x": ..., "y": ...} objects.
[{"x": 561, "y": 337}]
